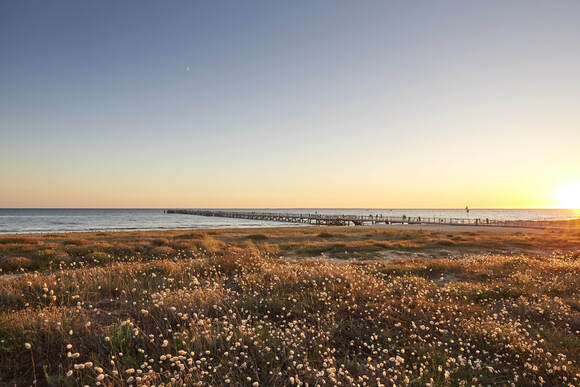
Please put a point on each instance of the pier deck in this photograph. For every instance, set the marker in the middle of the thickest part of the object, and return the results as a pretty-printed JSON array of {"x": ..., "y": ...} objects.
[{"x": 356, "y": 220}]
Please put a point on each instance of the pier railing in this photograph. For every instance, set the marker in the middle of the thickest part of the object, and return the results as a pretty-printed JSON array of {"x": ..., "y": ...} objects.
[{"x": 346, "y": 220}]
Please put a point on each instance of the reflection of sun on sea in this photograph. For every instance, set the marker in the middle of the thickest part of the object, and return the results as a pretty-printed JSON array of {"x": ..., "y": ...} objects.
[{"x": 568, "y": 196}]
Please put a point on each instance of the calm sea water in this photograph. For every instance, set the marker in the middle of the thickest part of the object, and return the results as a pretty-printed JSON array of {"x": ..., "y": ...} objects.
[{"x": 61, "y": 220}]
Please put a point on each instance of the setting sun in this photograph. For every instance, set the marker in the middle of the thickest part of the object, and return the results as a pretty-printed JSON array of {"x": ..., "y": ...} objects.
[{"x": 568, "y": 196}]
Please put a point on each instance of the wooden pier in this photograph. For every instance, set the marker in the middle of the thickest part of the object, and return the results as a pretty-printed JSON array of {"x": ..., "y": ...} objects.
[{"x": 355, "y": 220}]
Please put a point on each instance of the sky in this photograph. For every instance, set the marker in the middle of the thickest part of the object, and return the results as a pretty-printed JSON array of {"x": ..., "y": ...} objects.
[{"x": 302, "y": 104}]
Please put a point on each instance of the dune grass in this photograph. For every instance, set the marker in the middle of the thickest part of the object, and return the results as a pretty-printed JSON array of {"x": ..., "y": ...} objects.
[
  {"x": 188, "y": 308},
  {"x": 59, "y": 251}
]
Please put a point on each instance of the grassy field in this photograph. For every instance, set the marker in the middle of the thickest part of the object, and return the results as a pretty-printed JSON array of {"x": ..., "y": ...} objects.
[{"x": 291, "y": 306}]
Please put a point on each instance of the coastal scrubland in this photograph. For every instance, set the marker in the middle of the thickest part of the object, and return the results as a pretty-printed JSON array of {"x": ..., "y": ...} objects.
[
  {"x": 34, "y": 252},
  {"x": 291, "y": 306}
]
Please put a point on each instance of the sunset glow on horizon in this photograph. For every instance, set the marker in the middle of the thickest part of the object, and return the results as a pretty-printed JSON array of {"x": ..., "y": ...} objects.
[
  {"x": 295, "y": 105},
  {"x": 568, "y": 196}
]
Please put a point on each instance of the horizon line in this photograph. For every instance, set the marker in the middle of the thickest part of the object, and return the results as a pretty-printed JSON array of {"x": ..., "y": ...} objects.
[{"x": 288, "y": 208}]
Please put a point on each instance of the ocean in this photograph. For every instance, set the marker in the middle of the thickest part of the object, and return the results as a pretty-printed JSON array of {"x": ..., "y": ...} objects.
[{"x": 67, "y": 220}]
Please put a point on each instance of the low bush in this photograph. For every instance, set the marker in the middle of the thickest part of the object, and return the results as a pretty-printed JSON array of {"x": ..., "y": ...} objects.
[{"x": 17, "y": 263}]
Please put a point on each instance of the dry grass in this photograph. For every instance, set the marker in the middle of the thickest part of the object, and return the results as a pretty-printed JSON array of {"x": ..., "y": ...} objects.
[
  {"x": 58, "y": 251},
  {"x": 221, "y": 307},
  {"x": 16, "y": 263}
]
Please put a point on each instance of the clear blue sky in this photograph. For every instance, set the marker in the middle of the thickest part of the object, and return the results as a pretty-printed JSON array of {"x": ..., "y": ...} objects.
[{"x": 288, "y": 104}]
